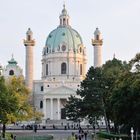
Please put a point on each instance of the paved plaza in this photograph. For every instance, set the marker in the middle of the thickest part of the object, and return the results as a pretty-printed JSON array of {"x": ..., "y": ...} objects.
[{"x": 57, "y": 134}]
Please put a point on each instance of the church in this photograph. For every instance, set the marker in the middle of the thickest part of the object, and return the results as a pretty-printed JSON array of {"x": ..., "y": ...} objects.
[{"x": 64, "y": 61}]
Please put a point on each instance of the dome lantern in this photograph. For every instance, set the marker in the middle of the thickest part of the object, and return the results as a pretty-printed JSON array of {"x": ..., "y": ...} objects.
[
  {"x": 12, "y": 61},
  {"x": 64, "y": 17},
  {"x": 97, "y": 34},
  {"x": 29, "y": 34}
]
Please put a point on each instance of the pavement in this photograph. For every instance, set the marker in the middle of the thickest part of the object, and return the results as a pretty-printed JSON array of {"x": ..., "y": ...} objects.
[{"x": 57, "y": 134}]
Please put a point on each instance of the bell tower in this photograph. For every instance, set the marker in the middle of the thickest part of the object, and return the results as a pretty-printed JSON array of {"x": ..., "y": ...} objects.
[
  {"x": 29, "y": 42},
  {"x": 97, "y": 42}
]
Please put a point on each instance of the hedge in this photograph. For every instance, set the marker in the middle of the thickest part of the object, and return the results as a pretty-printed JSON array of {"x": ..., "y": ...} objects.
[
  {"x": 8, "y": 137},
  {"x": 106, "y": 135},
  {"x": 35, "y": 138}
]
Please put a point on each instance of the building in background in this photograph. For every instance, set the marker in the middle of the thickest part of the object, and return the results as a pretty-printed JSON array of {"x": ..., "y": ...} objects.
[{"x": 10, "y": 70}]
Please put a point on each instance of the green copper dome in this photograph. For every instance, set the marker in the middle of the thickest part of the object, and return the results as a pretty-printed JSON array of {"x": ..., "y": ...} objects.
[
  {"x": 64, "y": 35},
  {"x": 12, "y": 61}
]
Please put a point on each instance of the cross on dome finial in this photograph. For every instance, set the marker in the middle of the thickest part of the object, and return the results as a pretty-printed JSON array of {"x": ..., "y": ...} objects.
[
  {"x": 114, "y": 56},
  {"x": 64, "y": 5},
  {"x": 12, "y": 55},
  {"x": 64, "y": 11}
]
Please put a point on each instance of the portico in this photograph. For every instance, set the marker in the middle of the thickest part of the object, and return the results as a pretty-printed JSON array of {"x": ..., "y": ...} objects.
[{"x": 52, "y": 108}]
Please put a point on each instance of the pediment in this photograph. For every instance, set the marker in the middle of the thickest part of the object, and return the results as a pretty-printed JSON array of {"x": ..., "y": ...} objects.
[{"x": 62, "y": 90}]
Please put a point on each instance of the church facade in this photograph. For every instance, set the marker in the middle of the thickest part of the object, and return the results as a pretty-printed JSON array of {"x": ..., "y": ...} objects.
[
  {"x": 64, "y": 63},
  {"x": 63, "y": 68}
]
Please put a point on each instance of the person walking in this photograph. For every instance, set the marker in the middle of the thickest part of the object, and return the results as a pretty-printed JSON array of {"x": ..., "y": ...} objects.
[
  {"x": 76, "y": 136},
  {"x": 80, "y": 137},
  {"x": 14, "y": 138},
  {"x": 35, "y": 128},
  {"x": 85, "y": 134}
]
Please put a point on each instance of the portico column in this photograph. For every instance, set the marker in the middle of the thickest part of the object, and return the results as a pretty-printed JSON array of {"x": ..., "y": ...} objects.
[
  {"x": 51, "y": 108},
  {"x": 58, "y": 108},
  {"x": 44, "y": 108}
]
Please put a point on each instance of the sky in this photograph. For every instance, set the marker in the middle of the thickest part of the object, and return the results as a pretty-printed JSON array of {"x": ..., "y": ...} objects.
[{"x": 118, "y": 21}]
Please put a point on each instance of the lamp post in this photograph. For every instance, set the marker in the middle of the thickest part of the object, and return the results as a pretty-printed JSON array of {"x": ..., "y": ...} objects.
[{"x": 132, "y": 131}]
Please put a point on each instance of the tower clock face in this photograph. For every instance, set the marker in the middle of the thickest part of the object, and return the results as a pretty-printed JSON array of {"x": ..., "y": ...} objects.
[{"x": 63, "y": 48}]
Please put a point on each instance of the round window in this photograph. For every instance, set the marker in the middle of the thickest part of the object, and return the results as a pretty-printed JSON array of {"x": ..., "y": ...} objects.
[{"x": 63, "y": 47}]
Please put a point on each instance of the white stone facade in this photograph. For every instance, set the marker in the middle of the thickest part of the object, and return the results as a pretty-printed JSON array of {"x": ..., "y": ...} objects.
[
  {"x": 54, "y": 96},
  {"x": 73, "y": 62},
  {"x": 63, "y": 68},
  {"x": 97, "y": 56}
]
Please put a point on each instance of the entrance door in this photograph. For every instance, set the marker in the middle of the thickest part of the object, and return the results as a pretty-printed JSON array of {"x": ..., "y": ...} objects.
[{"x": 63, "y": 113}]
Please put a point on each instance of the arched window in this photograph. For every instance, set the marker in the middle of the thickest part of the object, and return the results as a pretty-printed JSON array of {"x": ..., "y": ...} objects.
[
  {"x": 29, "y": 37},
  {"x": 63, "y": 68},
  {"x": 80, "y": 49},
  {"x": 46, "y": 69},
  {"x": 60, "y": 21},
  {"x": 63, "y": 48},
  {"x": 47, "y": 50},
  {"x": 97, "y": 37},
  {"x": 42, "y": 88},
  {"x": 81, "y": 69},
  {"x": 11, "y": 72},
  {"x": 41, "y": 104},
  {"x": 64, "y": 21}
]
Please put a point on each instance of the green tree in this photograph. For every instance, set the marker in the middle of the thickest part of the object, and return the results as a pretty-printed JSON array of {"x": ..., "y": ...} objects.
[
  {"x": 14, "y": 101},
  {"x": 111, "y": 70},
  {"x": 125, "y": 101},
  {"x": 95, "y": 91},
  {"x": 73, "y": 108},
  {"x": 90, "y": 93},
  {"x": 8, "y": 103},
  {"x": 126, "y": 97},
  {"x": 87, "y": 103}
]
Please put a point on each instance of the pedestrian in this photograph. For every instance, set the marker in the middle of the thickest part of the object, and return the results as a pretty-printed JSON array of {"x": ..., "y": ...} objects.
[
  {"x": 85, "y": 134},
  {"x": 35, "y": 128},
  {"x": 53, "y": 126},
  {"x": 82, "y": 133},
  {"x": 76, "y": 136},
  {"x": 14, "y": 137},
  {"x": 79, "y": 137},
  {"x": 65, "y": 127},
  {"x": 71, "y": 126},
  {"x": 80, "y": 130}
]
